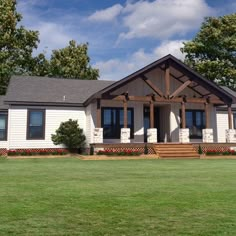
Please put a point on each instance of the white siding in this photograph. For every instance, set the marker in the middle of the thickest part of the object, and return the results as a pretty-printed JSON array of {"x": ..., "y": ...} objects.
[
  {"x": 3, "y": 144},
  {"x": 90, "y": 121},
  {"x": 222, "y": 125},
  {"x": 54, "y": 116}
]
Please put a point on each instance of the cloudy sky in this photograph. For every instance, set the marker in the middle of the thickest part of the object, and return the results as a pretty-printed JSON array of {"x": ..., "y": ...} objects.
[{"x": 123, "y": 35}]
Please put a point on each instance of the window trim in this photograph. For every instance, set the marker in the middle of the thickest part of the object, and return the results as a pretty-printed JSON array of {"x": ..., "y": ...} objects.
[
  {"x": 119, "y": 108},
  {"x": 194, "y": 111},
  {"x": 28, "y": 124},
  {"x": 234, "y": 120},
  {"x": 6, "y": 124}
]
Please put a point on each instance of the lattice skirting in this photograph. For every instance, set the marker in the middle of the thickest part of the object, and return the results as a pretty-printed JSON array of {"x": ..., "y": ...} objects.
[
  {"x": 3, "y": 151},
  {"x": 220, "y": 147},
  {"x": 124, "y": 147}
]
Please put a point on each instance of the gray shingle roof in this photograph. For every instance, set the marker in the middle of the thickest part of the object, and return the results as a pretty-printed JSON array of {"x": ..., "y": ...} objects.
[
  {"x": 44, "y": 90},
  {"x": 2, "y": 105},
  {"x": 230, "y": 91}
]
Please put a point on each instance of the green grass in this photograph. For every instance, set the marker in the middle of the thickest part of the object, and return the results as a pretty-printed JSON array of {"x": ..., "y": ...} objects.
[{"x": 130, "y": 197}]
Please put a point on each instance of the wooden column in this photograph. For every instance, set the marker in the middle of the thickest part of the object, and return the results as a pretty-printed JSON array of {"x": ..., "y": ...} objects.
[
  {"x": 183, "y": 115},
  {"x": 98, "y": 125},
  {"x": 125, "y": 114},
  {"x": 207, "y": 115},
  {"x": 167, "y": 80},
  {"x": 151, "y": 114},
  {"x": 230, "y": 116}
]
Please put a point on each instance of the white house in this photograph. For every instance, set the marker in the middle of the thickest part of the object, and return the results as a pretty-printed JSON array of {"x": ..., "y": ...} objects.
[{"x": 165, "y": 101}]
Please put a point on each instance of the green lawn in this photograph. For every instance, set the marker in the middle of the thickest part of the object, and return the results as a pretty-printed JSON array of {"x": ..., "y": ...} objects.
[{"x": 130, "y": 197}]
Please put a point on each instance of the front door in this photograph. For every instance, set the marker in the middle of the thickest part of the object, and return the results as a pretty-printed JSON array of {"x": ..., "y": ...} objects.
[{"x": 146, "y": 121}]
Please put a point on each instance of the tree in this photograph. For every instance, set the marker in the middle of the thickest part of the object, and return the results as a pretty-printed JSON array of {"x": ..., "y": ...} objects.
[
  {"x": 72, "y": 62},
  {"x": 213, "y": 51},
  {"x": 70, "y": 134},
  {"x": 16, "y": 44}
]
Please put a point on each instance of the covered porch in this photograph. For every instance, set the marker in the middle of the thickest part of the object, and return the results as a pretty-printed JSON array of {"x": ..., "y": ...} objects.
[{"x": 163, "y": 102}]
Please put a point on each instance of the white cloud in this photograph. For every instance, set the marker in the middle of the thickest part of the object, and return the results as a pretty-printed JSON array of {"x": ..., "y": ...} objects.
[
  {"x": 52, "y": 36},
  {"x": 107, "y": 14},
  {"x": 54, "y": 33},
  {"x": 163, "y": 19},
  {"x": 115, "y": 69}
]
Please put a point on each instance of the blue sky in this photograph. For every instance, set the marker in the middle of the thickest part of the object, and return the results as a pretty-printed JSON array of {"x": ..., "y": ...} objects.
[{"x": 123, "y": 35}]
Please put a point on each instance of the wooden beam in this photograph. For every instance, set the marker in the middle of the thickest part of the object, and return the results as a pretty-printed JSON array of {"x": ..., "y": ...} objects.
[
  {"x": 98, "y": 113},
  {"x": 167, "y": 80},
  {"x": 183, "y": 115},
  {"x": 230, "y": 116},
  {"x": 151, "y": 114},
  {"x": 125, "y": 113},
  {"x": 162, "y": 99},
  {"x": 207, "y": 115},
  {"x": 152, "y": 86},
  {"x": 180, "y": 89}
]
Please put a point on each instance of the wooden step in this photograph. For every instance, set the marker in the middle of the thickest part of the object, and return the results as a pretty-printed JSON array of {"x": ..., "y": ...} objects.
[{"x": 174, "y": 150}]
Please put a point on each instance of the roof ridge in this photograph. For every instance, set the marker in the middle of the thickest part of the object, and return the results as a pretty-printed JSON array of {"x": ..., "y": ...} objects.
[{"x": 56, "y": 78}]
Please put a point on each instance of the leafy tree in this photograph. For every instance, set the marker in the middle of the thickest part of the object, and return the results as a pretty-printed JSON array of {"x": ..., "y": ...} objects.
[
  {"x": 72, "y": 62},
  {"x": 70, "y": 134},
  {"x": 213, "y": 51},
  {"x": 16, "y": 44}
]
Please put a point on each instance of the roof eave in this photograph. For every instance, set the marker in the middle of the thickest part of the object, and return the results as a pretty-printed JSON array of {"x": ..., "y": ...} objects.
[{"x": 59, "y": 104}]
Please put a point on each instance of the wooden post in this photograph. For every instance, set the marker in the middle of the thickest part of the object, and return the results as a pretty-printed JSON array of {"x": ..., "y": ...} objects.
[
  {"x": 230, "y": 116},
  {"x": 167, "y": 80},
  {"x": 207, "y": 115},
  {"x": 151, "y": 114},
  {"x": 98, "y": 113},
  {"x": 183, "y": 115},
  {"x": 125, "y": 114}
]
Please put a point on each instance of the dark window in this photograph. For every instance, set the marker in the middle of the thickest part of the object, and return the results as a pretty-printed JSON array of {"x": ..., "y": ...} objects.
[
  {"x": 195, "y": 122},
  {"x": 113, "y": 121},
  {"x": 36, "y": 124},
  {"x": 234, "y": 117},
  {"x": 3, "y": 126}
]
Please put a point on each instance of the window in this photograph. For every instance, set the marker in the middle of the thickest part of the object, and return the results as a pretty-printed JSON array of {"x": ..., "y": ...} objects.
[
  {"x": 36, "y": 124},
  {"x": 3, "y": 126},
  {"x": 234, "y": 118},
  {"x": 113, "y": 121},
  {"x": 195, "y": 122}
]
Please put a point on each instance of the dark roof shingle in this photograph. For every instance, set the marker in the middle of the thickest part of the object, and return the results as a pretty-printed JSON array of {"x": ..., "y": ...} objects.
[
  {"x": 2, "y": 105},
  {"x": 44, "y": 90}
]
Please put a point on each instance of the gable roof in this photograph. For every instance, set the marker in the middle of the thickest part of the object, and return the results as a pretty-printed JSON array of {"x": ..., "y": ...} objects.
[
  {"x": 231, "y": 92},
  {"x": 200, "y": 82},
  {"x": 2, "y": 105},
  {"x": 51, "y": 91}
]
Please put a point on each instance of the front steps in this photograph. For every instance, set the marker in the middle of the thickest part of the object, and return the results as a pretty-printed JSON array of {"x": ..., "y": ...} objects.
[{"x": 175, "y": 150}]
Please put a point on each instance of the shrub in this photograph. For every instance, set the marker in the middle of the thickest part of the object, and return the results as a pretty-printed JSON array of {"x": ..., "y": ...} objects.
[
  {"x": 70, "y": 134},
  {"x": 200, "y": 150},
  {"x": 145, "y": 149},
  {"x": 224, "y": 153},
  {"x": 91, "y": 151}
]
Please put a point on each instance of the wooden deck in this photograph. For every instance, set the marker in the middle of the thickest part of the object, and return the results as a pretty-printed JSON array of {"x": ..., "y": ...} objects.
[{"x": 167, "y": 150}]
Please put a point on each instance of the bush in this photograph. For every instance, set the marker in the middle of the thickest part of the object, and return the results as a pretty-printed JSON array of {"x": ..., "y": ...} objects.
[
  {"x": 145, "y": 149},
  {"x": 91, "y": 151},
  {"x": 200, "y": 150},
  {"x": 70, "y": 134}
]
